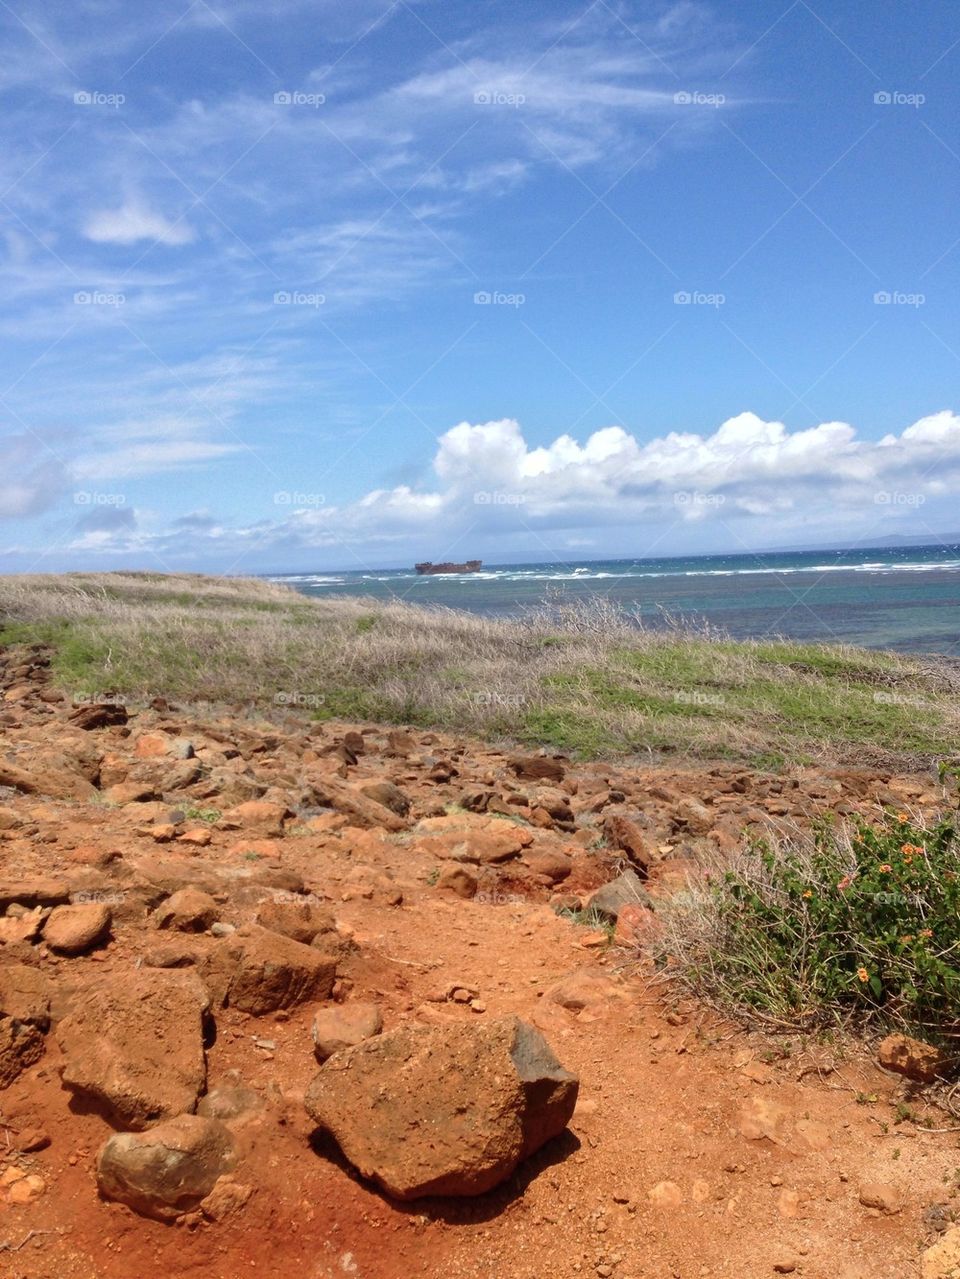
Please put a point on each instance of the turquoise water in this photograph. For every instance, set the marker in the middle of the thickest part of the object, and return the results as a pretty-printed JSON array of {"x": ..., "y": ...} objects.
[{"x": 905, "y": 598}]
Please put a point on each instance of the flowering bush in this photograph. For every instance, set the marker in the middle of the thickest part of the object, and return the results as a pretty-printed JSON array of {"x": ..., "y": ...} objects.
[{"x": 864, "y": 919}]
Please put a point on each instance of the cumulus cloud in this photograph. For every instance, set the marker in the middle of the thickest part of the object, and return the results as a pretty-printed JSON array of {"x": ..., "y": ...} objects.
[
  {"x": 754, "y": 480},
  {"x": 135, "y": 221}
]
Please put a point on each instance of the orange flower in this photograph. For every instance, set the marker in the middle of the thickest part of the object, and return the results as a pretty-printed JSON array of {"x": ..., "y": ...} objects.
[
  {"x": 905, "y": 941},
  {"x": 902, "y": 817},
  {"x": 885, "y": 869},
  {"x": 845, "y": 882},
  {"x": 926, "y": 932},
  {"x": 863, "y": 974},
  {"x": 808, "y": 893}
]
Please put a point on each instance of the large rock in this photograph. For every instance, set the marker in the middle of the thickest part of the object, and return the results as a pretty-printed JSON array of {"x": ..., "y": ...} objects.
[
  {"x": 942, "y": 1260},
  {"x": 258, "y": 971},
  {"x": 134, "y": 1048},
  {"x": 187, "y": 911},
  {"x": 912, "y": 1058},
  {"x": 299, "y": 919},
  {"x": 626, "y": 890},
  {"x": 24, "y": 1018},
  {"x": 167, "y": 1171},
  {"x": 72, "y": 930},
  {"x": 443, "y": 1110}
]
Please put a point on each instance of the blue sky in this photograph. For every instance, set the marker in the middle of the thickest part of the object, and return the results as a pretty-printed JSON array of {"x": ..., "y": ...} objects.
[{"x": 317, "y": 285}]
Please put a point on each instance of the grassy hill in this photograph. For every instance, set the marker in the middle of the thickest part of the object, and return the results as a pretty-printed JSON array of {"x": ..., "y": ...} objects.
[{"x": 581, "y": 678}]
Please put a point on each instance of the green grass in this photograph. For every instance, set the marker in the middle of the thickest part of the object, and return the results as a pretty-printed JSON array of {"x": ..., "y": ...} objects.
[{"x": 583, "y": 679}]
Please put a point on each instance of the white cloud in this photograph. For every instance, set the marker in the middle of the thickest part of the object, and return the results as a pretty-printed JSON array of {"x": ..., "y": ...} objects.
[
  {"x": 752, "y": 479},
  {"x": 133, "y": 222}
]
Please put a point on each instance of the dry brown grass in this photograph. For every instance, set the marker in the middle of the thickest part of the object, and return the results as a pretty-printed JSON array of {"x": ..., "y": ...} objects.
[{"x": 580, "y": 677}]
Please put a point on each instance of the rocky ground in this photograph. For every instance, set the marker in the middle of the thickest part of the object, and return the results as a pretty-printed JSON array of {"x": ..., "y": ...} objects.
[{"x": 196, "y": 910}]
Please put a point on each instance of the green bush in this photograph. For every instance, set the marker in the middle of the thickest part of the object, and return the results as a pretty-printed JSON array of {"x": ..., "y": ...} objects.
[{"x": 864, "y": 920}]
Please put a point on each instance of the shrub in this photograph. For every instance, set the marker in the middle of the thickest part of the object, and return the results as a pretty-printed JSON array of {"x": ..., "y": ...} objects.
[{"x": 862, "y": 920}]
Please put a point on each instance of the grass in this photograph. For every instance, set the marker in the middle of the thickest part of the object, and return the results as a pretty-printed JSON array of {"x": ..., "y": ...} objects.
[
  {"x": 584, "y": 679},
  {"x": 858, "y": 922}
]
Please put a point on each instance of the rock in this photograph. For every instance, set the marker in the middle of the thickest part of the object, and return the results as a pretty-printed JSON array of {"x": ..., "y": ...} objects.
[
  {"x": 344, "y": 1026},
  {"x": 301, "y": 920},
  {"x": 230, "y": 1103},
  {"x": 552, "y": 864},
  {"x": 227, "y": 1198},
  {"x": 72, "y": 930},
  {"x": 636, "y": 924},
  {"x": 259, "y": 815},
  {"x": 912, "y": 1058},
  {"x": 535, "y": 768},
  {"x": 330, "y": 792},
  {"x": 33, "y": 892},
  {"x": 784, "y": 1263},
  {"x": 102, "y": 715},
  {"x": 134, "y": 1048},
  {"x": 259, "y": 971},
  {"x": 458, "y": 879},
  {"x": 665, "y": 1194},
  {"x": 187, "y": 911},
  {"x": 21, "y": 1045},
  {"x": 151, "y": 745},
  {"x": 942, "y": 1261},
  {"x": 389, "y": 795},
  {"x": 199, "y": 836},
  {"x": 626, "y": 836},
  {"x": 25, "y": 995},
  {"x": 626, "y": 889},
  {"x": 585, "y": 988},
  {"x": 446, "y": 1109},
  {"x": 879, "y": 1195},
  {"x": 130, "y": 793},
  {"x": 169, "y": 1170}
]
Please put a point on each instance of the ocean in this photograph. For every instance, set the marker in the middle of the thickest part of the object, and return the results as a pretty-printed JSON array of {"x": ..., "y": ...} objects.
[{"x": 904, "y": 598}]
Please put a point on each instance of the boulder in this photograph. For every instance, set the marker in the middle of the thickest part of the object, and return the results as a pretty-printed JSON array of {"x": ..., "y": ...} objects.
[
  {"x": 389, "y": 795},
  {"x": 942, "y": 1260},
  {"x": 34, "y": 891},
  {"x": 344, "y": 1026},
  {"x": 627, "y": 837},
  {"x": 300, "y": 920},
  {"x": 443, "y": 1110},
  {"x": 537, "y": 768},
  {"x": 458, "y": 879},
  {"x": 258, "y": 815},
  {"x": 167, "y": 1171},
  {"x": 187, "y": 911},
  {"x": 627, "y": 889},
  {"x": 913, "y": 1059},
  {"x": 258, "y": 971},
  {"x": 73, "y": 930},
  {"x": 133, "y": 1049}
]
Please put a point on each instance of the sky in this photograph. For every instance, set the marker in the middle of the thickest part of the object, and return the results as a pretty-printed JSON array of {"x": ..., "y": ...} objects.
[{"x": 305, "y": 286}]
